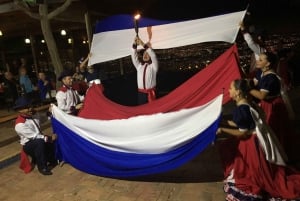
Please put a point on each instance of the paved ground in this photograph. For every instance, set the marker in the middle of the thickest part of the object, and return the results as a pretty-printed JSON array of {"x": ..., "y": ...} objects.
[{"x": 200, "y": 179}]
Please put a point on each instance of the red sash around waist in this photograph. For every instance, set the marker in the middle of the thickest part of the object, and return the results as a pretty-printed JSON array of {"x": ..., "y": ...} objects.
[{"x": 150, "y": 92}]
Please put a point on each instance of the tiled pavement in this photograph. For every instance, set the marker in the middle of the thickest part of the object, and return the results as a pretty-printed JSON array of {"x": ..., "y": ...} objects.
[{"x": 199, "y": 179}]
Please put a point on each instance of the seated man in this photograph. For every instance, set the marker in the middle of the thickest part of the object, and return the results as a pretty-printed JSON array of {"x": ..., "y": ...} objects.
[{"x": 35, "y": 144}]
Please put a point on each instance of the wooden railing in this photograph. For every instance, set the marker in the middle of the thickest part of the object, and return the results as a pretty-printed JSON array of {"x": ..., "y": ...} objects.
[{"x": 14, "y": 116}]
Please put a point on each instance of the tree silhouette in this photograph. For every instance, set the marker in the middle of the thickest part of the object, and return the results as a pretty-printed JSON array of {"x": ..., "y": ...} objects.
[{"x": 44, "y": 16}]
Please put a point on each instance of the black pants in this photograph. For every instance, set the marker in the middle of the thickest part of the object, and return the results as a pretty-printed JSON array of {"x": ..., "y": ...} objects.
[
  {"x": 142, "y": 98},
  {"x": 41, "y": 152}
]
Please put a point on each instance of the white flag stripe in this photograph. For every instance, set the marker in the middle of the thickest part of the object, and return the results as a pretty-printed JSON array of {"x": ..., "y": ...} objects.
[
  {"x": 112, "y": 45},
  {"x": 157, "y": 133}
]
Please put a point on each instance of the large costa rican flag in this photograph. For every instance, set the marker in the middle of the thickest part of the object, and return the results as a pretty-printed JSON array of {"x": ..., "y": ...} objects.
[{"x": 112, "y": 140}]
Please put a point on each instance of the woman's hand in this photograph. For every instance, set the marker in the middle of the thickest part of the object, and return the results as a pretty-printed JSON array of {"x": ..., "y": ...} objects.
[
  {"x": 219, "y": 131},
  {"x": 242, "y": 26}
]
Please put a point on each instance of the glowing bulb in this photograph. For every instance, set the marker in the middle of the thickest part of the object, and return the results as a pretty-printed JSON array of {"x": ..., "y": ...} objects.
[
  {"x": 27, "y": 40},
  {"x": 63, "y": 32}
]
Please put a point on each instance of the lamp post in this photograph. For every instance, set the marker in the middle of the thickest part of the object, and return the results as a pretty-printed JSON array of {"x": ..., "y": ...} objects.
[{"x": 136, "y": 23}]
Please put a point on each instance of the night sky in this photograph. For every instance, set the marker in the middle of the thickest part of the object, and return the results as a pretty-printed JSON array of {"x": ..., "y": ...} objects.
[
  {"x": 192, "y": 9},
  {"x": 197, "y": 9}
]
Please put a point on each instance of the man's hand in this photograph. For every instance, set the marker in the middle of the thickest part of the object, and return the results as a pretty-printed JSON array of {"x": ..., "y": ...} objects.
[
  {"x": 79, "y": 106},
  {"x": 138, "y": 41},
  {"x": 53, "y": 136}
]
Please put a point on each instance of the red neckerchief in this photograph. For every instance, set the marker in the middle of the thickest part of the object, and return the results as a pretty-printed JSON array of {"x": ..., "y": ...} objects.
[{"x": 20, "y": 119}]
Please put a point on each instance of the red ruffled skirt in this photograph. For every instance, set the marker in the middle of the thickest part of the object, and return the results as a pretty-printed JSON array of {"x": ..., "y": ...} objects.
[{"x": 249, "y": 176}]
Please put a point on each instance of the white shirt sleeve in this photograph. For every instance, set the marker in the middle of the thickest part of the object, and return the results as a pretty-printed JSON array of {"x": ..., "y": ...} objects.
[
  {"x": 61, "y": 98},
  {"x": 256, "y": 48},
  {"x": 135, "y": 58},
  {"x": 154, "y": 60}
]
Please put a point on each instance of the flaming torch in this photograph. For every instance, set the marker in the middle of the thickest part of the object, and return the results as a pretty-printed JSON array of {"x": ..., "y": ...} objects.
[{"x": 136, "y": 23}]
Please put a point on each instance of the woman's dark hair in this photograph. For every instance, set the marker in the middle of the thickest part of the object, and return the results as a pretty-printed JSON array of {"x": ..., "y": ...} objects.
[
  {"x": 272, "y": 58},
  {"x": 242, "y": 85}
]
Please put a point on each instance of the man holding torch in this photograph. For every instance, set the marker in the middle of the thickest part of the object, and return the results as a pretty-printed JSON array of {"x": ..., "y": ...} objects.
[{"x": 146, "y": 68}]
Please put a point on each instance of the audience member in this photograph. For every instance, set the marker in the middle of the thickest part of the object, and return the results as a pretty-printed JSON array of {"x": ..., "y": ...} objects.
[
  {"x": 10, "y": 86},
  {"x": 79, "y": 82},
  {"x": 44, "y": 86},
  {"x": 78, "y": 75},
  {"x": 25, "y": 81},
  {"x": 50, "y": 74},
  {"x": 91, "y": 73}
]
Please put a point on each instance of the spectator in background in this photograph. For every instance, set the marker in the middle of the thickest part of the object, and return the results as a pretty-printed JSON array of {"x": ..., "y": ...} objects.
[
  {"x": 14, "y": 67},
  {"x": 78, "y": 75},
  {"x": 25, "y": 81},
  {"x": 82, "y": 66},
  {"x": 91, "y": 73},
  {"x": 29, "y": 91},
  {"x": 10, "y": 87},
  {"x": 44, "y": 86},
  {"x": 50, "y": 74},
  {"x": 79, "y": 83}
]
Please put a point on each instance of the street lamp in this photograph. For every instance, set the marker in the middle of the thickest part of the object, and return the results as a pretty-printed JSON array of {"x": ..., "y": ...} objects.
[
  {"x": 63, "y": 32},
  {"x": 27, "y": 40}
]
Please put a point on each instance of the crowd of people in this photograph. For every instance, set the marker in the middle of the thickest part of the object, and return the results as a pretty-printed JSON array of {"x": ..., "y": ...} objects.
[
  {"x": 261, "y": 110},
  {"x": 20, "y": 85}
]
